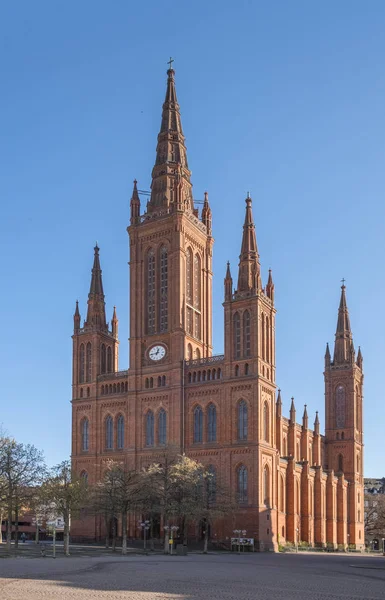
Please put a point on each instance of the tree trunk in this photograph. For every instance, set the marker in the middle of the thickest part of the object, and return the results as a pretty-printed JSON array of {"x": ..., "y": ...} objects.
[
  {"x": 107, "y": 524},
  {"x": 1, "y": 525},
  {"x": 37, "y": 533},
  {"x": 206, "y": 540},
  {"x": 184, "y": 531},
  {"x": 66, "y": 534},
  {"x": 16, "y": 527},
  {"x": 113, "y": 535},
  {"x": 152, "y": 546},
  {"x": 9, "y": 526},
  {"x": 166, "y": 544},
  {"x": 124, "y": 532}
]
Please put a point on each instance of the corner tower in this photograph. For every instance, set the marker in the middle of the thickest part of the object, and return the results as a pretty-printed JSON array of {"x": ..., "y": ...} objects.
[{"x": 343, "y": 411}]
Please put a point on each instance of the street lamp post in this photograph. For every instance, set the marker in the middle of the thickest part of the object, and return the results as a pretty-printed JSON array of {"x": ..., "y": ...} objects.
[
  {"x": 297, "y": 538},
  {"x": 173, "y": 529},
  {"x": 145, "y": 525},
  {"x": 348, "y": 541},
  {"x": 237, "y": 533}
]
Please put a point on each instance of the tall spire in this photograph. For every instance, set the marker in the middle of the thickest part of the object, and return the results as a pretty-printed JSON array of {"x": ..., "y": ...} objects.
[
  {"x": 343, "y": 347},
  {"x": 135, "y": 205},
  {"x": 171, "y": 186},
  {"x": 96, "y": 314},
  {"x": 77, "y": 318},
  {"x": 114, "y": 324},
  {"x": 228, "y": 284},
  {"x": 249, "y": 277}
]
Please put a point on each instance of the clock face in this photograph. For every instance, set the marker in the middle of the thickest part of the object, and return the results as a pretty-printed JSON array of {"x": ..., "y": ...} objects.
[{"x": 157, "y": 352}]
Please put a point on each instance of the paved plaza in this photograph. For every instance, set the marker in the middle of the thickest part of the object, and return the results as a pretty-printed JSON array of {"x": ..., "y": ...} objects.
[{"x": 214, "y": 577}]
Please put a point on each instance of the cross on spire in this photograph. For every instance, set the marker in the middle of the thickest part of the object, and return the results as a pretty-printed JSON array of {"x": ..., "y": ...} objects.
[
  {"x": 170, "y": 62},
  {"x": 343, "y": 281}
]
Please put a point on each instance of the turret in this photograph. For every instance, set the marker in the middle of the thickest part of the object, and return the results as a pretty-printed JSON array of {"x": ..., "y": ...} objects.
[
  {"x": 305, "y": 419},
  {"x": 135, "y": 205},
  {"x": 206, "y": 214},
  {"x": 270, "y": 287},
  {"x": 77, "y": 318},
  {"x": 114, "y": 324},
  {"x": 343, "y": 347},
  {"x": 327, "y": 356},
  {"x": 96, "y": 313},
  {"x": 292, "y": 412},
  {"x": 278, "y": 405},
  {"x": 360, "y": 360},
  {"x": 228, "y": 284},
  {"x": 249, "y": 275}
]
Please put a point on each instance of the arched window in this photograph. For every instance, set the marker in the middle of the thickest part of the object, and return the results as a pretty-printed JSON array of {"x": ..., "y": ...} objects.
[
  {"x": 150, "y": 276},
  {"x": 197, "y": 353},
  {"x": 81, "y": 364},
  {"x": 246, "y": 368},
  {"x": 126, "y": 386},
  {"x": 263, "y": 337},
  {"x": 214, "y": 373},
  {"x": 120, "y": 432},
  {"x": 337, "y": 435},
  {"x": 236, "y": 370},
  {"x": 266, "y": 424},
  {"x": 211, "y": 423},
  {"x": 81, "y": 392},
  {"x": 102, "y": 390},
  {"x": 242, "y": 484},
  {"x": 118, "y": 388},
  {"x": 209, "y": 375},
  {"x": 198, "y": 425},
  {"x": 85, "y": 434},
  {"x": 284, "y": 445},
  {"x": 159, "y": 381},
  {"x": 109, "y": 433},
  {"x": 150, "y": 428},
  {"x": 358, "y": 407},
  {"x": 189, "y": 377},
  {"x": 340, "y": 406},
  {"x": 146, "y": 383},
  {"x": 109, "y": 359},
  {"x": 88, "y": 362},
  {"x": 84, "y": 477},
  {"x": 340, "y": 463},
  {"x": 151, "y": 382},
  {"x": 88, "y": 392},
  {"x": 219, "y": 373},
  {"x": 114, "y": 387},
  {"x": 197, "y": 281},
  {"x": 281, "y": 494},
  {"x": 211, "y": 484},
  {"x": 237, "y": 335},
  {"x": 358, "y": 464},
  {"x": 189, "y": 352},
  {"x": 246, "y": 335},
  {"x": 189, "y": 277},
  {"x": 267, "y": 340},
  {"x": 162, "y": 427},
  {"x": 103, "y": 359},
  {"x": 266, "y": 486},
  {"x": 342, "y": 436},
  {"x": 163, "y": 305},
  {"x": 242, "y": 420},
  {"x": 163, "y": 380}
]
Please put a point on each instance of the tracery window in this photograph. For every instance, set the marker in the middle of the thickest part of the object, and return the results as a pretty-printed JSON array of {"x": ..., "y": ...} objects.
[
  {"x": 109, "y": 359},
  {"x": 263, "y": 337},
  {"x": 103, "y": 359},
  {"x": 85, "y": 434},
  {"x": 150, "y": 269},
  {"x": 162, "y": 427},
  {"x": 189, "y": 277},
  {"x": 340, "y": 406},
  {"x": 266, "y": 486},
  {"x": 88, "y": 362},
  {"x": 198, "y": 425},
  {"x": 242, "y": 420},
  {"x": 81, "y": 364},
  {"x": 266, "y": 436},
  {"x": 150, "y": 428},
  {"x": 242, "y": 484},
  {"x": 267, "y": 340},
  {"x": 163, "y": 306},
  {"x": 109, "y": 433},
  {"x": 120, "y": 428},
  {"x": 197, "y": 282},
  {"x": 340, "y": 465},
  {"x": 237, "y": 335},
  {"x": 246, "y": 335},
  {"x": 212, "y": 423}
]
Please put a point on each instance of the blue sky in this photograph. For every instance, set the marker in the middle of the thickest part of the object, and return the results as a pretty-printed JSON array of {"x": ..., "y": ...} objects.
[{"x": 285, "y": 99}]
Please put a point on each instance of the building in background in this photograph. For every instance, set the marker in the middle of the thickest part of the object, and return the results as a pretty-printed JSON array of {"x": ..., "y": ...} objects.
[{"x": 291, "y": 482}]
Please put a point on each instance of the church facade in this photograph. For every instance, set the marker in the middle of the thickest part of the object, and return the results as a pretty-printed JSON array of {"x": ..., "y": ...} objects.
[{"x": 291, "y": 482}]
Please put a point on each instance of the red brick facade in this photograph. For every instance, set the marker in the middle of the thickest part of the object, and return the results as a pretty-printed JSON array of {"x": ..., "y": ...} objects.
[{"x": 293, "y": 483}]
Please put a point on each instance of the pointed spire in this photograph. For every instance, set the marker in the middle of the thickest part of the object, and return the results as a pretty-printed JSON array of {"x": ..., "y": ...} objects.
[
  {"x": 270, "y": 287},
  {"x": 135, "y": 205},
  {"x": 292, "y": 411},
  {"x": 206, "y": 214},
  {"x": 96, "y": 314},
  {"x": 171, "y": 186},
  {"x": 249, "y": 277},
  {"x": 77, "y": 318},
  {"x": 278, "y": 405},
  {"x": 360, "y": 360},
  {"x": 305, "y": 419},
  {"x": 228, "y": 284},
  {"x": 114, "y": 324},
  {"x": 343, "y": 347},
  {"x": 316, "y": 424},
  {"x": 327, "y": 355}
]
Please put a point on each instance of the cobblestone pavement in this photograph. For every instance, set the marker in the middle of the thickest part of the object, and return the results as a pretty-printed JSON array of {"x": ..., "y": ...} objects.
[{"x": 212, "y": 577}]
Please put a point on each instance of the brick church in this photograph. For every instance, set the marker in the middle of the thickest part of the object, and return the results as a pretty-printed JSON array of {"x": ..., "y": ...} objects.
[{"x": 292, "y": 483}]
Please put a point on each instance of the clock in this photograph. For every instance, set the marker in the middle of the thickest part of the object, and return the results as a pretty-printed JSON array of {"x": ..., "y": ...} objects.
[{"x": 157, "y": 352}]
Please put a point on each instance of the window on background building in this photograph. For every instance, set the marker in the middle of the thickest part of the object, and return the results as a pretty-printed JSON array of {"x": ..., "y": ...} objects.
[
  {"x": 242, "y": 485},
  {"x": 162, "y": 427},
  {"x": 237, "y": 335},
  {"x": 109, "y": 433},
  {"x": 88, "y": 362},
  {"x": 198, "y": 425},
  {"x": 242, "y": 420},
  {"x": 120, "y": 432},
  {"x": 212, "y": 423},
  {"x": 150, "y": 291},
  {"x": 150, "y": 428},
  {"x": 85, "y": 434},
  {"x": 163, "y": 306},
  {"x": 246, "y": 335}
]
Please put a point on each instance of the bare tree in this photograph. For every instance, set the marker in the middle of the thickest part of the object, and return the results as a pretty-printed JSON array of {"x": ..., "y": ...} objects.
[{"x": 374, "y": 516}]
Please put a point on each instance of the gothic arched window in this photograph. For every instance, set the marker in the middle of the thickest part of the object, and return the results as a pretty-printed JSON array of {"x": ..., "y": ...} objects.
[
  {"x": 281, "y": 494},
  {"x": 85, "y": 434},
  {"x": 266, "y": 424},
  {"x": 267, "y": 340},
  {"x": 189, "y": 277},
  {"x": 109, "y": 433},
  {"x": 358, "y": 424},
  {"x": 162, "y": 427},
  {"x": 242, "y": 420},
  {"x": 198, "y": 425},
  {"x": 211, "y": 423},
  {"x": 237, "y": 335},
  {"x": 150, "y": 277},
  {"x": 150, "y": 428},
  {"x": 109, "y": 359},
  {"x": 246, "y": 335},
  {"x": 340, "y": 406},
  {"x": 340, "y": 463},
  {"x": 242, "y": 484},
  {"x": 88, "y": 362},
  {"x": 103, "y": 359},
  {"x": 84, "y": 477},
  {"x": 163, "y": 305},
  {"x": 120, "y": 427},
  {"x": 81, "y": 364},
  {"x": 197, "y": 281},
  {"x": 266, "y": 486},
  {"x": 263, "y": 337}
]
